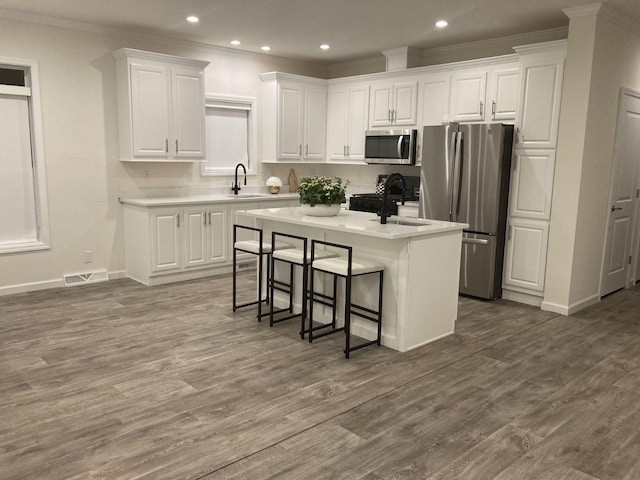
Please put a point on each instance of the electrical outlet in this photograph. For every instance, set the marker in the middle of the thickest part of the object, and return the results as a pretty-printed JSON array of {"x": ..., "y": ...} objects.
[{"x": 87, "y": 256}]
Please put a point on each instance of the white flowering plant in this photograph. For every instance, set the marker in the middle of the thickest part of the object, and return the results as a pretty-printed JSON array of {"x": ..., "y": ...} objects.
[{"x": 322, "y": 190}]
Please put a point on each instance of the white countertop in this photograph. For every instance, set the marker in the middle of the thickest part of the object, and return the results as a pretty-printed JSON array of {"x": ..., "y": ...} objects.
[
  {"x": 361, "y": 223},
  {"x": 207, "y": 198}
]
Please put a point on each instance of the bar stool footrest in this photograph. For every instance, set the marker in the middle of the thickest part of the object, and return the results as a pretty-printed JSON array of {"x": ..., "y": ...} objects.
[{"x": 362, "y": 345}]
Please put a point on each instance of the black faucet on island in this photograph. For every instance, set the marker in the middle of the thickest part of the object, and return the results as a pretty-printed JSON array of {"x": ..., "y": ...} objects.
[
  {"x": 235, "y": 187},
  {"x": 394, "y": 178}
]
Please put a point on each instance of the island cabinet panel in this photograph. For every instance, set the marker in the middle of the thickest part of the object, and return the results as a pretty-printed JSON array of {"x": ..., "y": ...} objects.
[{"x": 161, "y": 110}]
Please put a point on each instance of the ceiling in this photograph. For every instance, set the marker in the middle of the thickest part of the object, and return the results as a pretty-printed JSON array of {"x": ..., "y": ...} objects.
[{"x": 355, "y": 29}]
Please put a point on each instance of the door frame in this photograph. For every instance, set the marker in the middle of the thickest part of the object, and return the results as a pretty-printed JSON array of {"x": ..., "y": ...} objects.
[{"x": 634, "y": 248}]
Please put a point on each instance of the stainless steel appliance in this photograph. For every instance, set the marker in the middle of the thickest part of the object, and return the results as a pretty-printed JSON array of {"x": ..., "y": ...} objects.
[
  {"x": 396, "y": 147},
  {"x": 465, "y": 178}
]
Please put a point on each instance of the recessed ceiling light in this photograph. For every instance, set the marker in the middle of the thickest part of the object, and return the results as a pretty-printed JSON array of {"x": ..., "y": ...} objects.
[
  {"x": 325, "y": 47},
  {"x": 265, "y": 48},
  {"x": 441, "y": 23},
  {"x": 235, "y": 42},
  {"x": 193, "y": 19}
]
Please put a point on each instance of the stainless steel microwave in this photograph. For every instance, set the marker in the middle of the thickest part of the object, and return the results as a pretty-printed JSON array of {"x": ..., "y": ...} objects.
[{"x": 397, "y": 147}]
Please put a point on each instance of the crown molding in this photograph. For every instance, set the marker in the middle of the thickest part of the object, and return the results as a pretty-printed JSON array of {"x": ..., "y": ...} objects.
[
  {"x": 165, "y": 40},
  {"x": 508, "y": 42},
  {"x": 582, "y": 11},
  {"x": 606, "y": 12}
]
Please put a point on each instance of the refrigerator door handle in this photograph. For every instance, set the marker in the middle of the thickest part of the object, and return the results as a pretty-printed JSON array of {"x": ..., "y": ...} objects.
[
  {"x": 457, "y": 175},
  {"x": 451, "y": 172},
  {"x": 475, "y": 241}
]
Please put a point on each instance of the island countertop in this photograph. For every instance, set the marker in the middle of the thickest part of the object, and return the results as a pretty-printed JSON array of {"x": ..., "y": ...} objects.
[
  {"x": 360, "y": 223},
  {"x": 165, "y": 201}
]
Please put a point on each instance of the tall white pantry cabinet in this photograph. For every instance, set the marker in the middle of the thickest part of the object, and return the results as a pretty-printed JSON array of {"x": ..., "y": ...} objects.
[
  {"x": 161, "y": 112},
  {"x": 541, "y": 73}
]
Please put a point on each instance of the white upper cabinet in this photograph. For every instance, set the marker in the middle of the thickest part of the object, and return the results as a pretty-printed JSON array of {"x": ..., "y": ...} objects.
[
  {"x": 160, "y": 106},
  {"x": 434, "y": 96},
  {"x": 468, "y": 95},
  {"x": 294, "y": 118},
  {"x": 488, "y": 94},
  {"x": 347, "y": 117},
  {"x": 393, "y": 104},
  {"x": 502, "y": 93},
  {"x": 539, "y": 106}
]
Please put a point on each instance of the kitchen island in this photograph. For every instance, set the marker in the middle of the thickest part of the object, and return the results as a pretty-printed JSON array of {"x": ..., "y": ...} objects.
[{"x": 421, "y": 260}]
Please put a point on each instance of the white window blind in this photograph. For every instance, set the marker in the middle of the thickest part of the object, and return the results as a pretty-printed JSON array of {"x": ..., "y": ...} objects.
[
  {"x": 23, "y": 201},
  {"x": 228, "y": 133},
  {"x": 18, "y": 215}
]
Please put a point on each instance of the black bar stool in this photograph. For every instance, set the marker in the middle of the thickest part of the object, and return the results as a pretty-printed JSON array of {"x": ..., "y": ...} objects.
[
  {"x": 260, "y": 249},
  {"x": 294, "y": 257},
  {"x": 346, "y": 267}
]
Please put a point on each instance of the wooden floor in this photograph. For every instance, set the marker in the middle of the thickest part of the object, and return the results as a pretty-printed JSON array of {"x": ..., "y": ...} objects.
[{"x": 122, "y": 381}]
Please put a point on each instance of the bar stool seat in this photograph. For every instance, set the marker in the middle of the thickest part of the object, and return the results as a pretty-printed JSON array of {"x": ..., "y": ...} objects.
[
  {"x": 294, "y": 256},
  {"x": 259, "y": 248},
  {"x": 346, "y": 267},
  {"x": 253, "y": 246}
]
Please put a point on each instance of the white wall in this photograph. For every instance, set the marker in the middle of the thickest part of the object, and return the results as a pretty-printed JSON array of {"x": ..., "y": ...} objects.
[
  {"x": 77, "y": 79},
  {"x": 603, "y": 56}
]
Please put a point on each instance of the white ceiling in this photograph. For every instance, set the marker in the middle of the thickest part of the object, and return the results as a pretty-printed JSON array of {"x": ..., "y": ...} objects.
[{"x": 355, "y": 29}]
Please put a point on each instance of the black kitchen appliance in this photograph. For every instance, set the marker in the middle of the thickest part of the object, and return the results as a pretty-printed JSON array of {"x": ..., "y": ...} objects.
[{"x": 372, "y": 202}]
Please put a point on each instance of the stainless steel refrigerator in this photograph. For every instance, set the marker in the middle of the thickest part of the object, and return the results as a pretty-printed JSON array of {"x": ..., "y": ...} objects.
[{"x": 465, "y": 178}]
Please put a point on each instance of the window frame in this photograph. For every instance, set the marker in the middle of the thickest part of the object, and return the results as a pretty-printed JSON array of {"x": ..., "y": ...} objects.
[
  {"x": 32, "y": 74},
  {"x": 235, "y": 102}
]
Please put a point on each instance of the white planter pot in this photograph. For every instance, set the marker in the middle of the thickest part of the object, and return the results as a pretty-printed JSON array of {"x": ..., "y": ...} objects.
[{"x": 321, "y": 210}]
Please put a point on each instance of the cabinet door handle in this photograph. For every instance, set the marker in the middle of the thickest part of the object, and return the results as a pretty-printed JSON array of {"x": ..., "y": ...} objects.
[
  {"x": 178, "y": 220},
  {"x": 300, "y": 149},
  {"x": 389, "y": 115},
  {"x": 306, "y": 150},
  {"x": 176, "y": 146},
  {"x": 493, "y": 110},
  {"x": 481, "y": 109},
  {"x": 166, "y": 145},
  {"x": 393, "y": 116},
  {"x": 614, "y": 208},
  {"x": 348, "y": 150},
  {"x": 205, "y": 218},
  {"x": 344, "y": 150},
  {"x": 209, "y": 218}
]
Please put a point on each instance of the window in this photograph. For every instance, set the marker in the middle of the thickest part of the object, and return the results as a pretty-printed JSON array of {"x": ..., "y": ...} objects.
[
  {"x": 23, "y": 209},
  {"x": 230, "y": 134}
]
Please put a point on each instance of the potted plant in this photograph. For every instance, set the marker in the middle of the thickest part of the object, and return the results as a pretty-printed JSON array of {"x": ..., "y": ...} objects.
[{"x": 322, "y": 196}]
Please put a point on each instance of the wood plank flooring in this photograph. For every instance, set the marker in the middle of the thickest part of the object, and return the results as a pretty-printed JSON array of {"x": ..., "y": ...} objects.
[{"x": 121, "y": 381}]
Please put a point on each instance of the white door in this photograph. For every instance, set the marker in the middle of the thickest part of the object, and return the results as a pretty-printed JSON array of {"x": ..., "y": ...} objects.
[
  {"x": 217, "y": 235},
  {"x": 358, "y": 118},
  {"x": 290, "y": 119},
  {"x": 195, "y": 237},
  {"x": 405, "y": 103},
  {"x": 165, "y": 240},
  {"x": 337, "y": 118},
  {"x": 618, "y": 249},
  {"x": 149, "y": 110},
  {"x": 468, "y": 95},
  {"x": 380, "y": 109},
  {"x": 187, "y": 88},
  {"x": 315, "y": 123},
  {"x": 503, "y": 90}
]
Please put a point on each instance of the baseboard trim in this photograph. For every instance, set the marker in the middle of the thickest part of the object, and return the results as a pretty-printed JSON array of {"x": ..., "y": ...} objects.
[
  {"x": 527, "y": 299},
  {"x": 567, "y": 310},
  {"x": 46, "y": 284}
]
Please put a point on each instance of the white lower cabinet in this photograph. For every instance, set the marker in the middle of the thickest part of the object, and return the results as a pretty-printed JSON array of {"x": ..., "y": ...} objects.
[
  {"x": 526, "y": 255},
  {"x": 174, "y": 243},
  {"x": 205, "y": 236}
]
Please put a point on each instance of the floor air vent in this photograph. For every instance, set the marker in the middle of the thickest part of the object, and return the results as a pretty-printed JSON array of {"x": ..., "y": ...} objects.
[{"x": 84, "y": 278}]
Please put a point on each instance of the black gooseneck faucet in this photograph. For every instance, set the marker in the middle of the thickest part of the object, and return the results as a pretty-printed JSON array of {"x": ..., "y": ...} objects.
[
  {"x": 235, "y": 187},
  {"x": 394, "y": 178}
]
